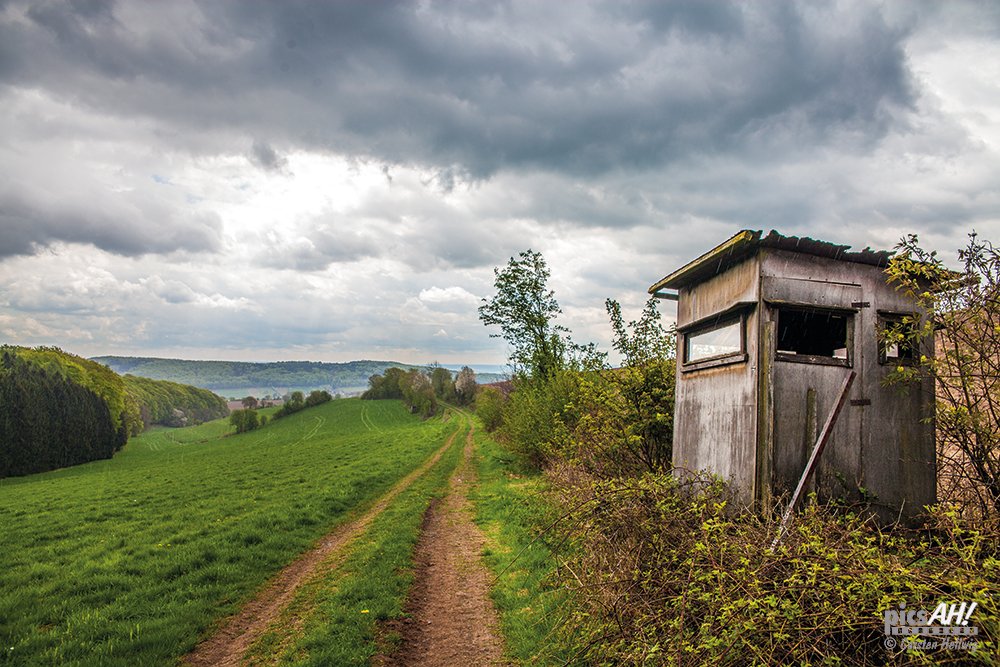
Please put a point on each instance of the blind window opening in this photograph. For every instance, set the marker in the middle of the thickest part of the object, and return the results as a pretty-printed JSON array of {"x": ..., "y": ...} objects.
[{"x": 815, "y": 333}]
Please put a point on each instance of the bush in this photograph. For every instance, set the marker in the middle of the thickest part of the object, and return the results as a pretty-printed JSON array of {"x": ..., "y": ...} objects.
[
  {"x": 960, "y": 313},
  {"x": 539, "y": 415},
  {"x": 317, "y": 397},
  {"x": 244, "y": 420},
  {"x": 489, "y": 408},
  {"x": 297, "y": 401},
  {"x": 668, "y": 573}
]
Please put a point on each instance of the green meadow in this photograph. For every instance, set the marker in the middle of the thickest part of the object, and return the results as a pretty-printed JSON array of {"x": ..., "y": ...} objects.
[{"x": 130, "y": 561}]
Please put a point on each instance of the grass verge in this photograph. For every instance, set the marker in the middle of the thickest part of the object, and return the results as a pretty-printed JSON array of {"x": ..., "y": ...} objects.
[{"x": 514, "y": 511}]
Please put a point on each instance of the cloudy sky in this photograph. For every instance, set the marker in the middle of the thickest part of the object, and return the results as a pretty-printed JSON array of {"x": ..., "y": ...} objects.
[{"x": 334, "y": 181}]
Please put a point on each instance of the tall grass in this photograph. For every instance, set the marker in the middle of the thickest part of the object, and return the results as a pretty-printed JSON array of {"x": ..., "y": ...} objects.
[{"x": 129, "y": 561}]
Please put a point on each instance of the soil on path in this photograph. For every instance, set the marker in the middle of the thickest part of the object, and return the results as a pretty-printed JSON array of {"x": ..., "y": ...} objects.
[
  {"x": 226, "y": 647},
  {"x": 452, "y": 620}
]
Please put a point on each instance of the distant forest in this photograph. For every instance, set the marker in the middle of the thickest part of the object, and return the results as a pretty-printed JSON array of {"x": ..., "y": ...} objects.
[{"x": 281, "y": 376}]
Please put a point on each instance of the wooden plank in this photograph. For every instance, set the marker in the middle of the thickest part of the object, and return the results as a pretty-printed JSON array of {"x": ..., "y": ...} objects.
[
  {"x": 765, "y": 414},
  {"x": 817, "y": 450}
]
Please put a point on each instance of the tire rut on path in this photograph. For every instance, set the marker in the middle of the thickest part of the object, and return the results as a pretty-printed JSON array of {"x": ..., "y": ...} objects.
[
  {"x": 452, "y": 619},
  {"x": 226, "y": 647}
]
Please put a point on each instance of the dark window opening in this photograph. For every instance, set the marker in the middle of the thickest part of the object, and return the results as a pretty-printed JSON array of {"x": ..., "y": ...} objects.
[{"x": 816, "y": 333}]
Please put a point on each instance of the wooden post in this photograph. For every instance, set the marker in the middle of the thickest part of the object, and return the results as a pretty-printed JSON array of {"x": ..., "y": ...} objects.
[{"x": 817, "y": 450}]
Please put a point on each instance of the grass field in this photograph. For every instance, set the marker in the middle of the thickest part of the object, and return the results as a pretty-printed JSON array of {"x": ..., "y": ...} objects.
[
  {"x": 129, "y": 561},
  {"x": 334, "y": 618}
]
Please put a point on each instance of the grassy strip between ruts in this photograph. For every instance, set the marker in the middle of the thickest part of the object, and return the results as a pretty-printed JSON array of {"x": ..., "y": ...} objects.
[
  {"x": 128, "y": 561},
  {"x": 333, "y": 617},
  {"x": 513, "y": 511}
]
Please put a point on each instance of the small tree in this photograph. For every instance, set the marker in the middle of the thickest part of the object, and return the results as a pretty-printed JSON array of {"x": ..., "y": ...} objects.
[
  {"x": 444, "y": 388},
  {"x": 418, "y": 393},
  {"x": 645, "y": 384},
  {"x": 466, "y": 385},
  {"x": 524, "y": 308},
  {"x": 960, "y": 311},
  {"x": 489, "y": 408},
  {"x": 249, "y": 402}
]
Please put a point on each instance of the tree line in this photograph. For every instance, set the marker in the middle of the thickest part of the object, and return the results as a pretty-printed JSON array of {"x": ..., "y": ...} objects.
[
  {"x": 50, "y": 420},
  {"x": 248, "y": 418},
  {"x": 422, "y": 392},
  {"x": 173, "y": 404},
  {"x": 229, "y": 375},
  {"x": 58, "y": 409}
]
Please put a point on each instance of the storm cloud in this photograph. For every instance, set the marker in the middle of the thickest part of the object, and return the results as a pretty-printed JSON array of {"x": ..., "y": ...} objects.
[{"x": 366, "y": 165}]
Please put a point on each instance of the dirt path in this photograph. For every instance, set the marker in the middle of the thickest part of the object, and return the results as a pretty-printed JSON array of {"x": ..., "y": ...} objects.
[
  {"x": 231, "y": 641},
  {"x": 453, "y": 621}
]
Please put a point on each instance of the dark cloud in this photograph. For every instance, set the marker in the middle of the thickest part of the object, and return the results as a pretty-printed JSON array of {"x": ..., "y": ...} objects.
[
  {"x": 479, "y": 88},
  {"x": 125, "y": 225},
  {"x": 620, "y": 138},
  {"x": 265, "y": 157}
]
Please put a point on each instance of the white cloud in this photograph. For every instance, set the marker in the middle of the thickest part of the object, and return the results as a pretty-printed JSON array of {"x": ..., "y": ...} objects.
[{"x": 453, "y": 293}]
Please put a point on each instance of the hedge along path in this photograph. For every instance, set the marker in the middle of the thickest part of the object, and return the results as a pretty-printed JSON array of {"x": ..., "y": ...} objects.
[
  {"x": 226, "y": 647},
  {"x": 452, "y": 620}
]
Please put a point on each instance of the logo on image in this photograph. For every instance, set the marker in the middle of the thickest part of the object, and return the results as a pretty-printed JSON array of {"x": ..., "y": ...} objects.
[{"x": 946, "y": 627}]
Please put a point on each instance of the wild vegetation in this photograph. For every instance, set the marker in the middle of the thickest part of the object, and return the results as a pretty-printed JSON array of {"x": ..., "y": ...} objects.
[
  {"x": 637, "y": 568},
  {"x": 962, "y": 316},
  {"x": 128, "y": 561}
]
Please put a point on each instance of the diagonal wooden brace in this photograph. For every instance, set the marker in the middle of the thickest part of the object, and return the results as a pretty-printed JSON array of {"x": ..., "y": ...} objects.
[{"x": 814, "y": 458}]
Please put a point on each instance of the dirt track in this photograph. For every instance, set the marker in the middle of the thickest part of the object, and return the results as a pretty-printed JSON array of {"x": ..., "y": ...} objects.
[{"x": 452, "y": 620}]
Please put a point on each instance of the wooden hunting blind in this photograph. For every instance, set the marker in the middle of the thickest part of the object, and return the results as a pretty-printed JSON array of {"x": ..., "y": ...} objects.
[{"x": 767, "y": 330}]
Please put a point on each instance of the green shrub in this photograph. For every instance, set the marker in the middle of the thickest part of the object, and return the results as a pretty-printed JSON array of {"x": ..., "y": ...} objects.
[
  {"x": 669, "y": 573},
  {"x": 489, "y": 408},
  {"x": 244, "y": 420},
  {"x": 539, "y": 415}
]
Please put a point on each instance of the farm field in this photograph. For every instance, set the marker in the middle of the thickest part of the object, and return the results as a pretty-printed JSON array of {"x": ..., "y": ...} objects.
[{"x": 129, "y": 561}]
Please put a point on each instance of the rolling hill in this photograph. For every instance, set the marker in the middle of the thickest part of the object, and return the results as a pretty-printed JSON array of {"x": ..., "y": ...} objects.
[{"x": 240, "y": 378}]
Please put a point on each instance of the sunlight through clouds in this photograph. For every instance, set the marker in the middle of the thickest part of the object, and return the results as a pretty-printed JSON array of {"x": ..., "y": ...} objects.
[{"x": 336, "y": 181}]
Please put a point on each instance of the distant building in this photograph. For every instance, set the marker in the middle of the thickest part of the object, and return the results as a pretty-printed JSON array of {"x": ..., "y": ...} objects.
[{"x": 767, "y": 330}]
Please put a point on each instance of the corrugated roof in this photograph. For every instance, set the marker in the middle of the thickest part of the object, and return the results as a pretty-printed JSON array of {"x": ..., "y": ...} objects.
[{"x": 748, "y": 242}]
